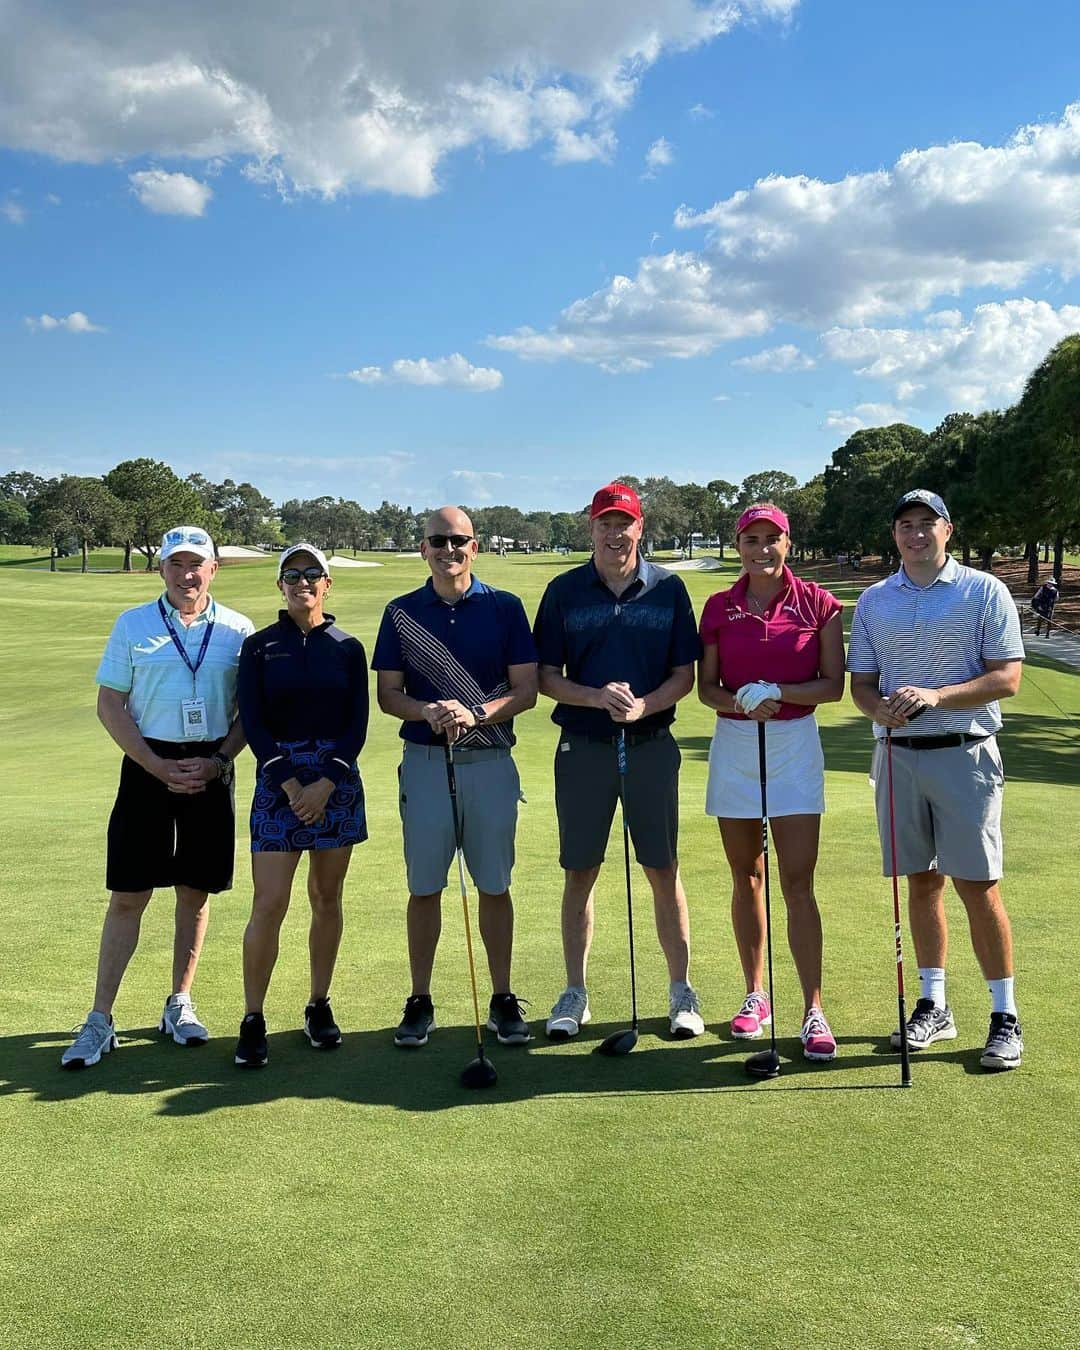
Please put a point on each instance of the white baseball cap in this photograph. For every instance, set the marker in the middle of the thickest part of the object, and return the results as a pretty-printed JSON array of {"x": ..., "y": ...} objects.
[
  {"x": 187, "y": 539},
  {"x": 316, "y": 553}
]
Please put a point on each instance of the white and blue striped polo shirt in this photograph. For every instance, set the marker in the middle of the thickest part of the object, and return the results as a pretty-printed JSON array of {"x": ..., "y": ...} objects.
[
  {"x": 935, "y": 635},
  {"x": 141, "y": 661}
]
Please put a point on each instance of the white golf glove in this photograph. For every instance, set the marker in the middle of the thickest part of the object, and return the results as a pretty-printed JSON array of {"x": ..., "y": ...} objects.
[{"x": 751, "y": 696}]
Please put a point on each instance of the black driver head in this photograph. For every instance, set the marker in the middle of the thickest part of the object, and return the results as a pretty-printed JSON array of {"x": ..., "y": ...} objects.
[
  {"x": 765, "y": 1064},
  {"x": 479, "y": 1073},
  {"x": 618, "y": 1043}
]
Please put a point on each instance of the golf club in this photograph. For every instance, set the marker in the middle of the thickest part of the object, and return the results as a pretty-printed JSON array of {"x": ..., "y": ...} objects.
[
  {"x": 766, "y": 1063},
  {"x": 479, "y": 1072},
  {"x": 905, "y": 1060},
  {"x": 622, "y": 1042}
]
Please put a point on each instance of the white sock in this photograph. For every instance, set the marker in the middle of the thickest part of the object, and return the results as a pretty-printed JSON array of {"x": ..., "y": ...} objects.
[
  {"x": 1001, "y": 995},
  {"x": 932, "y": 984}
]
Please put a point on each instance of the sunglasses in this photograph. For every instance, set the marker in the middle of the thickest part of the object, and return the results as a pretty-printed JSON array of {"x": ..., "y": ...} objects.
[
  {"x": 291, "y": 575},
  {"x": 199, "y": 537},
  {"x": 454, "y": 540}
]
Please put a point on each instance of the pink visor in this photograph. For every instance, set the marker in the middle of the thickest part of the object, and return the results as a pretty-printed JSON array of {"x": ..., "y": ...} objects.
[{"x": 770, "y": 513}]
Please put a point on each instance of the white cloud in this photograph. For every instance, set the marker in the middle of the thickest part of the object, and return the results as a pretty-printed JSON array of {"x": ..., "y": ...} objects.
[
  {"x": 452, "y": 371},
  {"x": 325, "y": 96},
  {"x": 721, "y": 398},
  {"x": 658, "y": 156},
  {"x": 13, "y": 212},
  {"x": 170, "y": 194},
  {"x": 473, "y": 485},
  {"x": 75, "y": 322},
  {"x": 778, "y": 359},
  {"x": 796, "y": 249},
  {"x": 865, "y": 415},
  {"x": 974, "y": 363},
  {"x": 700, "y": 113}
]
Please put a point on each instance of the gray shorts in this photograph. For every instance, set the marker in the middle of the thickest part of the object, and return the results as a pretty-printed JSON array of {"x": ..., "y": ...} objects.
[
  {"x": 948, "y": 809},
  {"x": 487, "y": 793},
  {"x": 587, "y": 792}
]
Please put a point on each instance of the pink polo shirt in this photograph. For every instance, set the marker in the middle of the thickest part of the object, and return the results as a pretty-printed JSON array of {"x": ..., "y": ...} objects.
[{"x": 783, "y": 645}]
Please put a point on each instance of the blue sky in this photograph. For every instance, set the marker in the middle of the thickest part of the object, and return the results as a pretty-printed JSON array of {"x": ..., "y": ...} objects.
[{"x": 486, "y": 252}]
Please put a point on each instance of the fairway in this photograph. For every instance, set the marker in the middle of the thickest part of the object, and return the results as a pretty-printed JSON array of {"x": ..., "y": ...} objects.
[{"x": 363, "y": 1198}]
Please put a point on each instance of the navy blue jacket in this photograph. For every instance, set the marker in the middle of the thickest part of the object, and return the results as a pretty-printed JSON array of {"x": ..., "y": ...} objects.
[{"x": 296, "y": 686}]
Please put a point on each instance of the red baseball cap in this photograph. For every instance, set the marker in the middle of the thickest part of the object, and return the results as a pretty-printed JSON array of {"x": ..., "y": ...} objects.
[
  {"x": 616, "y": 497},
  {"x": 770, "y": 513}
]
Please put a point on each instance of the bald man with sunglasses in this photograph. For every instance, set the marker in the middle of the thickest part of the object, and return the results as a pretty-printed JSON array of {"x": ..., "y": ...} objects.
[{"x": 456, "y": 662}]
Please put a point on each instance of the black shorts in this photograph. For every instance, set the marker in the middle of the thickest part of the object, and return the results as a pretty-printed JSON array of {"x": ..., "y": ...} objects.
[
  {"x": 587, "y": 792},
  {"x": 163, "y": 838}
]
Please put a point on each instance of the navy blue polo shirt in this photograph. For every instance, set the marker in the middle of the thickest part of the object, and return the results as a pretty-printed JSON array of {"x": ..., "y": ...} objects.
[
  {"x": 597, "y": 638},
  {"x": 461, "y": 650}
]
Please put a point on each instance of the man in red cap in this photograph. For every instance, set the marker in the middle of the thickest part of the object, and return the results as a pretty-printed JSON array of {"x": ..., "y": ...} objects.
[{"x": 617, "y": 643}]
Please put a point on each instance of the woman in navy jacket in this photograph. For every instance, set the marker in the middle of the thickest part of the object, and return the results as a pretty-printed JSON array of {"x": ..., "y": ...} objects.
[{"x": 303, "y": 696}]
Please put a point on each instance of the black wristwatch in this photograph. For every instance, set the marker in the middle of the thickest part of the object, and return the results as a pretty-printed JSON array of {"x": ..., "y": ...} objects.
[
  {"x": 226, "y": 768},
  {"x": 480, "y": 713}
]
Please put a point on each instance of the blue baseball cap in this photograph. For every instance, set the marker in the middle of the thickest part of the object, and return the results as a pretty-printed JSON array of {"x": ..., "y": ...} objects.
[{"x": 922, "y": 497}]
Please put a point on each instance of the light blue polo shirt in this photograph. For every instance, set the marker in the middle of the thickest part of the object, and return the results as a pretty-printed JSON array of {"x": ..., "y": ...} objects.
[
  {"x": 141, "y": 661},
  {"x": 936, "y": 635}
]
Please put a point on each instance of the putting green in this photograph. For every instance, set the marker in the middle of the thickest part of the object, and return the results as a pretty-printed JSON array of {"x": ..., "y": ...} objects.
[{"x": 363, "y": 1198}]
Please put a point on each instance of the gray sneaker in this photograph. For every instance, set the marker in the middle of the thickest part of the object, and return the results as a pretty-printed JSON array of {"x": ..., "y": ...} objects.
[
  {"x": 927, "y": 1024},
  {"x": 569, "y": 1015},
  {"x": 684, "y": 1013},
  {"x": 178, "y": 1020},
  {"x": 96, "y": 1037},
  {"x": 1005, "y": 1043}
]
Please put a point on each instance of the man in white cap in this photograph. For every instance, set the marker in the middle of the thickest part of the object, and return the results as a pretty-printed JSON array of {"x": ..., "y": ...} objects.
[
  {"x": 167, "y": 697},
  {"x": 941, "y": 642}
]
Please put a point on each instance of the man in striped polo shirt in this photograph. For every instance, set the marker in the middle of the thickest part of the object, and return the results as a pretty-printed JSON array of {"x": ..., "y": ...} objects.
[
  {"x": 456, "y": 662},
  {"x": 942, "y": 642}
]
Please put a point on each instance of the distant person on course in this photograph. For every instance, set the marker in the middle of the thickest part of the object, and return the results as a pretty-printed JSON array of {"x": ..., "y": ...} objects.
[
  {"x": 167, "y": 697},
  {"x": 773, "y": 650},
  {"x": 456, "y": 663},
  {"x": 1043, "y": 602},
  {"x": 617, "y": 642},
  {"x": 304, "y": 708},
  {"x": 942, "y": 641}
]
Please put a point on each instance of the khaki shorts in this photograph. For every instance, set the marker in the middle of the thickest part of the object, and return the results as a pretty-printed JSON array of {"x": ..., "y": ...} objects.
[
  {"x": 948, "y": 809},
  {"x": 488, "y": 788},
  {"x": 587, "y": 792}
]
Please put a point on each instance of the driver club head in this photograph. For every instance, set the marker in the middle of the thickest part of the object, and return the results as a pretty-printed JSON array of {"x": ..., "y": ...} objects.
[
  {"x": 765, "y": 1064},
  {"x": 479, "y": 1073},
  {"x": 618, "y": 1043}
]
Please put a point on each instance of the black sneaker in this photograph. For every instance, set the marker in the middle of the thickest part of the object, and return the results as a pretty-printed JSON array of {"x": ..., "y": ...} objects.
[
  {"x": 1005, "y": 1043},
  {"x": 927, "y": 1024},
  {"x": 251, "y": 1048},
  {"x": 505, "y": 1018},
  {"x": 319, "y": 1025},
  {"x": 418, "y": 1021}
]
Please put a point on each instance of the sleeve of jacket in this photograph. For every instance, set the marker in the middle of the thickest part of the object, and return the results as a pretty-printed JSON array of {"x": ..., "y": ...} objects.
[
  {"x": 351, "y": 741},
  {"x": 250, "y": 696}
]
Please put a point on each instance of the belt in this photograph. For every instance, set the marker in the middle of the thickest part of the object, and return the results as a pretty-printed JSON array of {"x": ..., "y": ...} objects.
[
  {"x": 467, "y": 755},
  {"x": 632, "y": 737},
  {"x": 945, "y": 742}
]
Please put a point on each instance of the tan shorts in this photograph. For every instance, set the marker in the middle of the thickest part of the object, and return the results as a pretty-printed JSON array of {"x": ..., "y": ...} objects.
[{"x": 947, "y": 807}]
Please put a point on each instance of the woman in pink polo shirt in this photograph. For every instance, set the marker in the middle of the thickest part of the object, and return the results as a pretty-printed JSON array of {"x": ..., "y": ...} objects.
[{"x": 773, "y": 650}]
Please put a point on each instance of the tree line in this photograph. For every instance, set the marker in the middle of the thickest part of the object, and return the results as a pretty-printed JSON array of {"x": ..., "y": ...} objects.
[{"x": 1011, "y": 479}]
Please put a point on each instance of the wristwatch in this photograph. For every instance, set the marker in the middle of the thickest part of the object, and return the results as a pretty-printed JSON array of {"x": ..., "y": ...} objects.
[
  {"x": 226, "y": 768},
  {"x": 479, "y": 712}
]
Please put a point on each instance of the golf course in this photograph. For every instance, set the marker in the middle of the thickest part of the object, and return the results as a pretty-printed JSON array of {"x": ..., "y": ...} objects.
[{"x": 363, "y": 1197}]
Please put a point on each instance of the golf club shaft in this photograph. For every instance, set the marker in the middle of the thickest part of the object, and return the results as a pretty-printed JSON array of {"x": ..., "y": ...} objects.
[
  {"x": 621, "y": 754},
  {"x": 905, "y": 1061},
  {"x": 452, "y": 781},
  {"x": 763, "y": 778}
]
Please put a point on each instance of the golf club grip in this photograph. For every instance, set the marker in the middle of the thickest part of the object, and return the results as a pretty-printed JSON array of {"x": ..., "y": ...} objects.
[{"x": 620, "y": 752}]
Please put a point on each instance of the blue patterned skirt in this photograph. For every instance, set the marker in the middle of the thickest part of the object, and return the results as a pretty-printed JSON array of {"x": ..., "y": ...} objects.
[{"x": 274, "y": 827}]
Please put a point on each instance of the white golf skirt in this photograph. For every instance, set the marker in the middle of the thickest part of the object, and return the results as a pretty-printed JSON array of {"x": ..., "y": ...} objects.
[{"x": 795, "y": 769}]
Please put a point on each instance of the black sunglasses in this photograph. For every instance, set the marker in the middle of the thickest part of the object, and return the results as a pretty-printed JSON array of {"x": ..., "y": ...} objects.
[
  {"x": 455, "y": 540},
  {"x": 291, "y": 575}
]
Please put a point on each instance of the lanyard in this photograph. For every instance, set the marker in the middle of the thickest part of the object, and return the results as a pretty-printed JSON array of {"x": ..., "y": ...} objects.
[{"x": 180, "y": 646}]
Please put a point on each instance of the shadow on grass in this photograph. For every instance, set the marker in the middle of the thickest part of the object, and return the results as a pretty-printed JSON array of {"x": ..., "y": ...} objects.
[{"x": 369, "y": 1070}]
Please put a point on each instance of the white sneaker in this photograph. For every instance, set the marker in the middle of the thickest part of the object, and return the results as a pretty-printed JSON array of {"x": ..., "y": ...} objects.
[
  {"x": 179, "y": 1021},
  {"x": 569, "y": 1015},
  {"x": 96, "y": 1037},
  {"x": 685, "y": 1013}
]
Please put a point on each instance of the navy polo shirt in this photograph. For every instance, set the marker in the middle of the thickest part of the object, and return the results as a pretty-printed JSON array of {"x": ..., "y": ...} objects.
[
  {"x": 597, "y": 638},
  {"x": 461, "y": 651}
]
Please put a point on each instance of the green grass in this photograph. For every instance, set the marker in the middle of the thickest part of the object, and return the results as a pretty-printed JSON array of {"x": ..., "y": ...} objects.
[{"x": 364, "y": 1199}]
